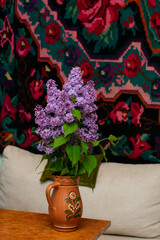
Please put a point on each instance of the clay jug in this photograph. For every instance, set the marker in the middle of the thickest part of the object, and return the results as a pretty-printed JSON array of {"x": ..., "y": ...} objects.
[{"x": 65, "y": 205}]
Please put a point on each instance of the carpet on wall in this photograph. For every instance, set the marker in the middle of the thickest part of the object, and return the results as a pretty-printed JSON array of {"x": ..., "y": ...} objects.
[{"x": 117, "y": 45}]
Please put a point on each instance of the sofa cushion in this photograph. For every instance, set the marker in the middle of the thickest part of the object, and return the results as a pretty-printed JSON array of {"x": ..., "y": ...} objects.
[
  {"x": 20, "y": 188},
  {"x": 128, "y": 195},
  {"x": 117, "y": 237},
  {"x": 0, "y": 159}
]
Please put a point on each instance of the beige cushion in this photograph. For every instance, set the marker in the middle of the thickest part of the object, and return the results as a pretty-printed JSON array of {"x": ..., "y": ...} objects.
[
  {"x": 20, "y": 188},
  {"x": 117, "y": 237},
  {"x": 128, "y": 195}
]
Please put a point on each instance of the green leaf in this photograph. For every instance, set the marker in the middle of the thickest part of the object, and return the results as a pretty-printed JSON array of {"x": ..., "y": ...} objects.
[
  {"x": 44, "y": 157},
  {"x": 69, "y": 128},
  {"x": 64, "y": 171},
  {"x": 112, "y": 139},
  {"x": 48, "y": 174},
  {"x": 74, "y": 153},
  {"x": 59, "y": 141},
  {"x": 59, "y": 164},
  {"x": 81, "y": 170},
  {"x": 77, "y": 114},
  {"x": 76, "y": 169},
  {"x": 91, "y": 181},
  {"x": 104, "y": 153},
  {"x": 95, "y": 143},
  {"x": 49, "y": 169},
  {"x": 73, "y": 99},
  {"x": 84, "y": 146},
  {"x": 39, "y": 141},
  {"x": 72, "y": 172},
  {"x": 90, "y": 163}
]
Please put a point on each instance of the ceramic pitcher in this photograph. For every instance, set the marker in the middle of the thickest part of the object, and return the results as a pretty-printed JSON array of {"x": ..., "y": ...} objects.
[{"x": 65, "y": 205}]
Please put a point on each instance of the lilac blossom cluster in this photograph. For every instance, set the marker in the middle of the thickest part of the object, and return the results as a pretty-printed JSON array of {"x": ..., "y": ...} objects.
[{"x": 58, "y": 111}]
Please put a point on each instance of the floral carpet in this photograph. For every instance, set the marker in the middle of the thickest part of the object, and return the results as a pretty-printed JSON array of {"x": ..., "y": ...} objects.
[{"x": 116, "y": 43}]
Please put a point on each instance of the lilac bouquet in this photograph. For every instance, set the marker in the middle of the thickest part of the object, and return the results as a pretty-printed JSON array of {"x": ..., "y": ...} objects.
[{"x": 68, "y": 127}]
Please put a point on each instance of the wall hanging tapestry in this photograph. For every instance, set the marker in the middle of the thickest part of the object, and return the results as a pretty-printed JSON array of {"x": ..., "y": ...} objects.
[{"x": 117, "y": 45}]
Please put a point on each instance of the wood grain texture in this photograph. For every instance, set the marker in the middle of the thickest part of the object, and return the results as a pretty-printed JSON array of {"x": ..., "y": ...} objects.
[{"x": 18, "y": 225}]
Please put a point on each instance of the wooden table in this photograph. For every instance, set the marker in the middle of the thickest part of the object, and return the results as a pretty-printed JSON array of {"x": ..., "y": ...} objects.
[{"x": 18, "y": 225}]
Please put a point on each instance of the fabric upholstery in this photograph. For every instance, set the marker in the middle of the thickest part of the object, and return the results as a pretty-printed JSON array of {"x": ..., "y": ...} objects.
[
  {"x": 20, "y": 188},
  {"x": 0, "y": 159},
  {"x": 117, "y": 237},
  {"x": 128, "y": 195}
]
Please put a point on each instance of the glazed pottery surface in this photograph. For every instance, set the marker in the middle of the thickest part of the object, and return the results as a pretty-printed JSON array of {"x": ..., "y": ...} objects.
[{"x": 65, "y": 205}]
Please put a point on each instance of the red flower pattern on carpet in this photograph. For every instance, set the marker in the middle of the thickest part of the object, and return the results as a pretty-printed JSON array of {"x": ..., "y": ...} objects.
[{"x": 98, "y": 15}]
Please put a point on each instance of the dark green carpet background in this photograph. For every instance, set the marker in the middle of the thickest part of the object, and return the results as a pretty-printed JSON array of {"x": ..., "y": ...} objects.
[{"x": 116, "y": 44}]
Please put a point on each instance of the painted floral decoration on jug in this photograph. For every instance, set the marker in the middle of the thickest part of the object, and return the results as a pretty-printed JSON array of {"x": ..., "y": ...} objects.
[{"x": 74, "y": 206}]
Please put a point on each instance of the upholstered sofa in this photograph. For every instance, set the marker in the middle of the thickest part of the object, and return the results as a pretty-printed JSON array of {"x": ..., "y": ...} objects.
[{"x": 126, "y": 194}]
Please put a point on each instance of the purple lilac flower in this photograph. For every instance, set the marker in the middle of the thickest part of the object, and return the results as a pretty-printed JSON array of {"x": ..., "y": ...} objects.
[
  {"x": 86, "y": 136},
  {"x": 72, "y": 93},
  {"x": 85, "y": 97},
  {"x": 42, "y": 119},
  {"x": 38, "y": 111},
  {"x": 52, "y": 88},
  {"x": 52, "y": 96},
  {"x": 64, "y": 105},
  {"x": 75, "y": 77},
  {"x": 88, "y": 108},
  {"x": 42, "y": 145},
  {"x": 57, "y": 132},
  {"x": 54, "y": 159},
  {"x": 75, "y": 83},
  {"x": 59, "y": 108},
  {"x": 94, "y": 116},
  {"x": 89, "y": 122},
  {"x": 56, "y": 121},
  {"x": 46, "y": 133},
  {"x": 68, "y": 118},
  {"x": 51, "y": 105},
  {"x": 72, "y": 90},
  {"x": 90, "y": 147},
  {"x": 80, "y": 102},
  {"x": 49, "y": 150}
]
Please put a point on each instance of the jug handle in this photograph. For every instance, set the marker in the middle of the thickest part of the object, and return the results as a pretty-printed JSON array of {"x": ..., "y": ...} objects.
[{"x": 48, "y": 190}]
